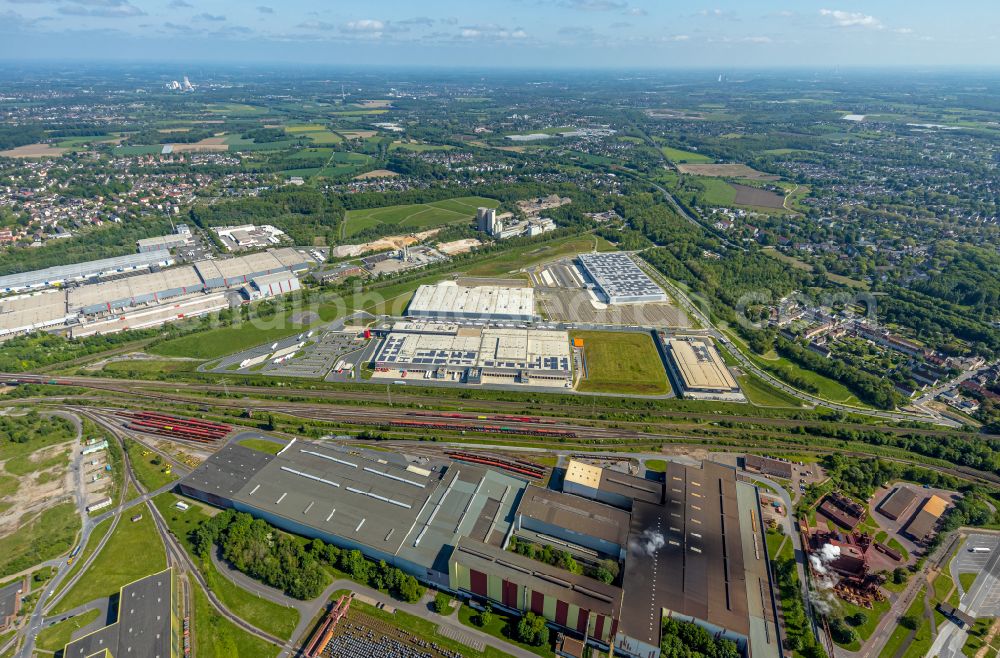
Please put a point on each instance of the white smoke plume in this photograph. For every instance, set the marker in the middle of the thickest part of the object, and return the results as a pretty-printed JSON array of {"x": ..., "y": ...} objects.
[
  {"x": 825, "y": 579},
  {"x": 650, "y": 541}
]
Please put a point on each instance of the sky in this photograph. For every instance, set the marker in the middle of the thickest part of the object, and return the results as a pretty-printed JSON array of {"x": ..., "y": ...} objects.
[{"x": 508, "y": 33}]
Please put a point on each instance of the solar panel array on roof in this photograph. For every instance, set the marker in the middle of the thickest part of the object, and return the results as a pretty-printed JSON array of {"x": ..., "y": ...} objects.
[{"x": 620, "y": 279}]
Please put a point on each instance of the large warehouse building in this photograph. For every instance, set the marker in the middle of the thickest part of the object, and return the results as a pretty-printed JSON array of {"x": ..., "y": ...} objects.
[
  {"x": 145, "y": 300},
  {"x": 448, "y": 301},
  {"x": 62, "y": 274},
  {"x": 475, "y": 354},
  {"x": 619, "y": 279},
  {"x": 693, "y": 549},
  {"x": 146, "y": 624},
  {"x": 701, "y": 371}
]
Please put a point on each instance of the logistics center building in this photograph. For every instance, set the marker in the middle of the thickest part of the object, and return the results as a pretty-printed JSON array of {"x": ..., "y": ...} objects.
[
  {"x": 475, "y": 353},
  {"x": 454, "y": 302},
  {"x": 701, "y": 371},
  {"x": 619, "y": 279}
]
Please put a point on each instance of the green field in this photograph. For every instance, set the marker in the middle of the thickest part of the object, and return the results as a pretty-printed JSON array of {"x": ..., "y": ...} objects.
[
  {"x": 217, "y": 637},
  {"x": 39, "y": 538},
  {"x": 763, "y": 394},
  {"x": 96, "y": 535},
  {"x": 417, "y": 147},
  {"x": 150, "y": 475},
  {"x": 677, "y": 156},
  {"x": 530, "y": 254},
  {"x": 417, "y": 216},
  {"x": 55, "y": 637},
  {"x": 227, "y": 340},
  {"x": 116, "y": 565},
  {"x": 621, "y": 362}
]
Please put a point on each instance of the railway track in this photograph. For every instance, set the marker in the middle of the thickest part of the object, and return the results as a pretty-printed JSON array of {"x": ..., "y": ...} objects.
[{"x": 564, "y": 411}]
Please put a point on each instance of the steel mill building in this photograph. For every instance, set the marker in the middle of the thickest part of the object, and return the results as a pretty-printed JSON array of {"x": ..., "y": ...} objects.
[{"x": 691, "y": 548}]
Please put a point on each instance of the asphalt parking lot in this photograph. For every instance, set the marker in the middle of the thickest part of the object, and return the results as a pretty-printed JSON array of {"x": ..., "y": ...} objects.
[{"x": 983, "y": 598}]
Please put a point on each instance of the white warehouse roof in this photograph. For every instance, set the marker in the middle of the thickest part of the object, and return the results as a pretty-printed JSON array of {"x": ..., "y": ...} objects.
[{"x": 448, "y": 300}]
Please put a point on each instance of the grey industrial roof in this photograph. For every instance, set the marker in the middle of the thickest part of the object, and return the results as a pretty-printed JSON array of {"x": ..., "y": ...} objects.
[
  {"x": 686, "y": 555},
  {"x": 142, "y": 285},
  {"x": 8, "y": 599},
  {"x": 143, "y": 625},
  {"x": 390, "y": 507},
  {"x": 897, "y": 502},
  {"x": 580, "y": 515},
  {"x": 83, "y": 270},
  {"x": 637, "y": 488}
]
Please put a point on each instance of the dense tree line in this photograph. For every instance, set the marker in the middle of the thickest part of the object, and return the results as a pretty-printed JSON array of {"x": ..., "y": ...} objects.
[
  {"x": 295, "y": 566},
  {"x": 90, "y": 244},
  {"x": 686, "y": 640}
]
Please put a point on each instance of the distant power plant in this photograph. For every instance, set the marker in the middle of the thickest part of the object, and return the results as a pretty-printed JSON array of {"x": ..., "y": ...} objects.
[{"x": 186, "y": 85}]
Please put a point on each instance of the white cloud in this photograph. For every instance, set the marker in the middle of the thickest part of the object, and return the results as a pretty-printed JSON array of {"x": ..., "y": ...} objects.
[
  {"x": 101, "y": 8},
  {"x": 852, "y": 19},
  {"x": 365, "y": 25}
]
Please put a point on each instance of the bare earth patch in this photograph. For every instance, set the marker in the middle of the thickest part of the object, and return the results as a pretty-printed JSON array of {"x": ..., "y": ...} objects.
[
  {"x": 358, "y": 134},
  {"x": 724, "y": 171},
  {"x": 34, "y": 151},
  {"x": 747, "y": 195},
  {"x": 35, "y": 493},
  {"x": 458, "y": 246},
  {"x": 376, "y": 173},
  {"x": 207, "y": 145},
  {"x": 382, "y": 244}
]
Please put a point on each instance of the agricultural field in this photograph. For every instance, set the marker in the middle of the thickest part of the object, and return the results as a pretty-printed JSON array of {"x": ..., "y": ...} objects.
[
  {"x": 626, "y": 363},
  {"x": 417, "y": 216},
  {"x": 725, "y": 171},
  {"x": 747, "y": 195},
  {"x": 677, "y": 156}
]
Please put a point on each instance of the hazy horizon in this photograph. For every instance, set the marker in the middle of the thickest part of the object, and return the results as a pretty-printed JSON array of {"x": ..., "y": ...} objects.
[{"x": 515, "y": 34}]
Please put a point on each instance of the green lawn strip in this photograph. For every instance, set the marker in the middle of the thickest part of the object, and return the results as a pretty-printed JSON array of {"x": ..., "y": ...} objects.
[
  {"x": 621, "y": 362},
  {"x": 215, "y": 636},
  {"x": 96, "y": 535},
  {"x": 500, "y": 627},
  {"x": 899, "y": 634},
  {"x": 55, "y": 637},
  {"x": 977, "y": 636},
  {"x": 262, "y": 445},
  {"x": 942, "y": 586},
  {"x": 774, "y": 541},
  {"x": 966, "y": 579},
  {"x": 763, "y": 394},
  {"x": 40, "y": 537},
  {"x": 133, "y": 552},
  {"x": 150, "y": 474},
  {"x": 266, "y": 615}
]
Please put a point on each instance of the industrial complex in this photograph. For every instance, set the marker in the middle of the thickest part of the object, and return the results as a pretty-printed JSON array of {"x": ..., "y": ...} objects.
[
  {"x": 690, "y": 547},
  {"x": 475, "y": 354},
  {"x": 619, "y": 280},
  {"x": 114, "y": 295}
]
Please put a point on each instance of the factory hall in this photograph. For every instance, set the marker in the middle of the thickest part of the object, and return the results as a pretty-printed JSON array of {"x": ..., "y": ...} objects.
[{"x": 690, "y": 547}]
